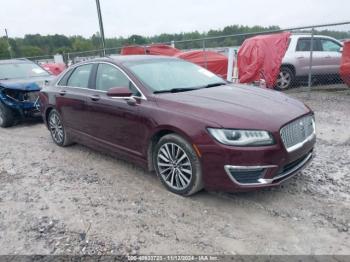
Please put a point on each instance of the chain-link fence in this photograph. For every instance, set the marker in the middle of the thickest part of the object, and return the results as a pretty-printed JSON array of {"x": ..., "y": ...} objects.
[
  {"x": 312, "y": 59},
  {"x": 42, "y": 59},
  {"x": 76, "y": 57}
]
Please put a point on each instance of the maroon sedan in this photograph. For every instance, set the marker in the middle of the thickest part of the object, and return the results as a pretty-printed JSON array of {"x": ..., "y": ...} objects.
[{"x": 190, "y": 126}]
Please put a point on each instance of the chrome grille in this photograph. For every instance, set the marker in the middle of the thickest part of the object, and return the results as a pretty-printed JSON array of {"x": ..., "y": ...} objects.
[{"x": 297, "y": 132}]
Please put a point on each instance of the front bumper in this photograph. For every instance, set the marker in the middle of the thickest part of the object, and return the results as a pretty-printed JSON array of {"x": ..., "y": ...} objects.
[
  {"x": 232, "y": 169},
  {"x": 254, "y": 176},
  {"x": 29, "y": 107}
]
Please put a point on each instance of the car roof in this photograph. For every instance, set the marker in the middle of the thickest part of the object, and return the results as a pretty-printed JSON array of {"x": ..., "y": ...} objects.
[
  {"x": 120, "y": 59},
  {"x": 309, "y": 35},
  {"x": 15, "y": 61}
]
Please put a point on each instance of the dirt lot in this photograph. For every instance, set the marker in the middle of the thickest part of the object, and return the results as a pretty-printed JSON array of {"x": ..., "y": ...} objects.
[{"x": 77, "y": 201}]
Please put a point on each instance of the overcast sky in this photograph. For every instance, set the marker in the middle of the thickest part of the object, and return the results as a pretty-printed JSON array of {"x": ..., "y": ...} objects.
[{"x": 127, "y": 17}]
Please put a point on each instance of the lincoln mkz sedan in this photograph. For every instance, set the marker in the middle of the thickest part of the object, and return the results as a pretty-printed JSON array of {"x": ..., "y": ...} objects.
[{"x": 194, "y": 129}]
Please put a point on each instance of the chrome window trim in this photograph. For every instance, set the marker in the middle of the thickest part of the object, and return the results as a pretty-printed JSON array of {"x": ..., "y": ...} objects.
[{"x": 101, "y": 91}]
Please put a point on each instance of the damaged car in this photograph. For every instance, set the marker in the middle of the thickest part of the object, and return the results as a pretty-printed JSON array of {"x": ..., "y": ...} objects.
[{"x": 20, "y": 83}]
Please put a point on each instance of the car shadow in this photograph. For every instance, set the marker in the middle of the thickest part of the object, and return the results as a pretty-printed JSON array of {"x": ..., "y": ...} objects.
[
  {"x": 27, "y": 123},
  {"x": 154, "y": 184}
]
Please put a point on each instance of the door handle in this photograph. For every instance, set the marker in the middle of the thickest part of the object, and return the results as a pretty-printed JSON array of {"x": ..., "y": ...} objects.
[
  {"x": 95, "y": 97},
  {"x": 63, "y": 92},
  {"x": 328, "y": 56},
  {"x": 300, "y": 57}
]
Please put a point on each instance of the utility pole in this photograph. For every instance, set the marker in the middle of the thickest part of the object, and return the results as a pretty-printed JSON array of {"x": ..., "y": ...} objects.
[
  {"x": 8, "y": 43},
  {"x": 102, "y": 34}
]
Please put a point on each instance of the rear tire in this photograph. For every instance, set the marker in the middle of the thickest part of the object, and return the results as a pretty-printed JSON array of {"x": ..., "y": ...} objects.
[
  {"x": 7, "y": 116},
  {"x": 58, "y": 132},
  {"x": 177, "y": 165},
  {"x": 285, "y": 79}
]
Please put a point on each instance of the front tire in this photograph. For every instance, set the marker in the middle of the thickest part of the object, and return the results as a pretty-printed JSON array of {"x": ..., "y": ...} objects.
[
  {"x": 177, "y": 165},
  {"x": 7, "y": 116},
  {"x": 285, "y": 79},
  {"x": 57, "y": 130}
]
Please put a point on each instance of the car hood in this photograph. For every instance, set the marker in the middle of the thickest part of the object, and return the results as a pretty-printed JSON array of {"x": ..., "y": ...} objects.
[
  {"x": 236, "y": 106},
  {"x": 25, "y": 84}
]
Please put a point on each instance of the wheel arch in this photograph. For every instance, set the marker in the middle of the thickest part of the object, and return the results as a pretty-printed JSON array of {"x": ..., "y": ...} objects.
[
  {"x": 47, "y": 113},
  {"x": 290, "y": 66},
  {"x": 157, "y": 135}
]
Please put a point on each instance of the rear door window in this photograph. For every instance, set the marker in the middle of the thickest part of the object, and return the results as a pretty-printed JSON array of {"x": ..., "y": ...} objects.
[
  {"x": 80, "y": 77},
  {"x": 304, "y": 45}
]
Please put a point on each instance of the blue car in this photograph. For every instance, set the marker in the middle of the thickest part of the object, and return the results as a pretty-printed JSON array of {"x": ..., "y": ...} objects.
[{"x": 20, "y": 83}]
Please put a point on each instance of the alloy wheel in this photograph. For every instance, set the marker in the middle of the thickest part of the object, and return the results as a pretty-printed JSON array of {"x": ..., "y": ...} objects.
[
  {"x": 284, "y": 80},
  {"x": 174, "y": 166},
  {"x": 56, "y": 128}
]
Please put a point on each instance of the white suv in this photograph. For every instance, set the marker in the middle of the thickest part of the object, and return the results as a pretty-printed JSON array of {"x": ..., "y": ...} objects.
[{"x": 296, "y": 62}]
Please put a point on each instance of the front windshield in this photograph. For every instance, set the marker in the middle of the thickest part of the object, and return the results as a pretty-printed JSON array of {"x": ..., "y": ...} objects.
[
  {"x": 21, "y": 70},
  {"x": 161, "y": 75}
]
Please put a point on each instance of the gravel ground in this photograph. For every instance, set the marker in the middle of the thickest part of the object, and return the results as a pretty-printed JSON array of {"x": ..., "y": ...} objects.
[{"x": 77, "y": 201}]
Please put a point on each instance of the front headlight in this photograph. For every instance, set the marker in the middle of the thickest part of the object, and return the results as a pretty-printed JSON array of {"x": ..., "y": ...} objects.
[
  {"x": 242, "y": 137},
  {"x": 314, "y": 123}
]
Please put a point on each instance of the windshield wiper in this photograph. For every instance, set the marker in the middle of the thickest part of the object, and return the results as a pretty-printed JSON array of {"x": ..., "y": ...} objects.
[
  {"x": 214, "y": 84},
  {"x": 4, "y": 78},
  {"x": 175, "y": 90}
]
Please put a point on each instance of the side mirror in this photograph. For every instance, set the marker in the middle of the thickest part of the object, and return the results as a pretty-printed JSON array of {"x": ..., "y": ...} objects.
[
  {"x": 119, "y": 92},
  {"x": 341, "y": 50}
]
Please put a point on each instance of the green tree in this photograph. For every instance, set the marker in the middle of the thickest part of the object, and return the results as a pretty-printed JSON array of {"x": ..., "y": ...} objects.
[
  {"x": 96, "y": 40},
  {"x": 28, "y": 51},
  {"x": 36, "y": 44},
  {"x": 81, "y": 44},
  {"x": 62, "y": 50},
  {"x": 4, "y": 52},
  {"x": 137, "y": 40}
]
